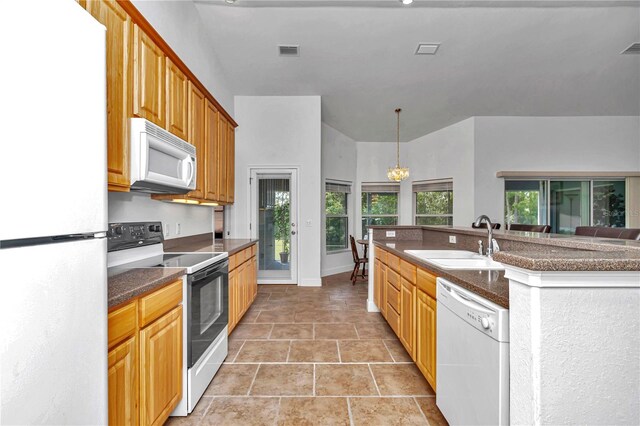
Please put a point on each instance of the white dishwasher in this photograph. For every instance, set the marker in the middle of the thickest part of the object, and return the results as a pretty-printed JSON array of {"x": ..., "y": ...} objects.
[{"x": 472, "y": 357}]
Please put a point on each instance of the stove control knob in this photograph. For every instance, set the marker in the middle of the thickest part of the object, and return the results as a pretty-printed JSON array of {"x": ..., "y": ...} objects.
[
  {"x": 118, "y": 230},
  {"x": 152, "y": 228},
  {"x": 156, "y": 228},
  {"x": 485, "y": 323}
]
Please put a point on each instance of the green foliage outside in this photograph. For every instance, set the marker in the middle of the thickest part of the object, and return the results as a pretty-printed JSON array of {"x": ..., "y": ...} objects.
[
  {"x": 379, "y": 203},
  {"x": 434, "y": 202},
  {"x": 521, "y": 207},
  {"x": 336, "y": 232}
]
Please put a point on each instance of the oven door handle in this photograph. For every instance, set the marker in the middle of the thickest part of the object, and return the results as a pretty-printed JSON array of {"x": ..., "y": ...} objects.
[{"x": 206, "y": 273}]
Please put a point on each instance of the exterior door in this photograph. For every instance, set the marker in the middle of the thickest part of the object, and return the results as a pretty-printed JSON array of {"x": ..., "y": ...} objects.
[{"x": 274, "y": 224}]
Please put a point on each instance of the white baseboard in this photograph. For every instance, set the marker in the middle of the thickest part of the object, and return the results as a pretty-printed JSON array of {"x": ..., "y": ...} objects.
[
  {"x": 337, "y": 270},
  {"x": 371, "y": 307},
  {"x": 310, "y": 282}
]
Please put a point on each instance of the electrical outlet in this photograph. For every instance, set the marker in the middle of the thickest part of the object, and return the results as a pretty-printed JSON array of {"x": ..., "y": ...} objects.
[
  {"x": 178, "y": 230},
  {"x": 452, "y": 239},
  {"x": 391, "y": 234},
  {"x": 166, "y": 230}
]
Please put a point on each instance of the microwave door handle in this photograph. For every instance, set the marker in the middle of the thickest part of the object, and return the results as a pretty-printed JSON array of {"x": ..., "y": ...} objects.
[{"x": 190, "y": 170}]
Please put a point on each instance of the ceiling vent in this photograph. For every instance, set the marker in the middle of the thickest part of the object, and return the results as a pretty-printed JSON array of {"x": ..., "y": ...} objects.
[
  {"x": 289, "y": 50},
  {"x": 634, "y": 48},
  {"x": 427, "y": 48}
]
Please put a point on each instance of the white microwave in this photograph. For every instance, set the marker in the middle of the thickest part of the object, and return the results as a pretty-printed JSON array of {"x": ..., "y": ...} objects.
[{"x": 161, "y": 163}]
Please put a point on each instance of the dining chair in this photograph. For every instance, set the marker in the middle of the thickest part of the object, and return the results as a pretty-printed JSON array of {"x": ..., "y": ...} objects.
[{"x": 357, "y": 260}]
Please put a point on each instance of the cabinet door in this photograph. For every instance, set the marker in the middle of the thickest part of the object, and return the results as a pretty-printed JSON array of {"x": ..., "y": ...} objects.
[
  {"x": 407, "y": 316},
  {"x": 376, "y": 283},
  {"x": 426, "y": 336},
  {"x": 241, "y": 289},
  {"x": 232, "y": 298},
  {"x": 148, "y": 79},
  {"x": 231, "y": 162},
  {"x": 119, "y": 29},
  {"x": 177, "y": 111},
  {"x": 161, "y": 367},
  {"x": 212, "y": 152},
  {"x": 123, "y": 384},
  {"x": 222, "y": 163},
  {"x": 254, "y": 279},
  {"x": 196, "y": 137},
  {"x": 383, "y": 289}
]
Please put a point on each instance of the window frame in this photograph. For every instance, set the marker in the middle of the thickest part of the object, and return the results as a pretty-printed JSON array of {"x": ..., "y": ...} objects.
[
  {"x": 379, "y": 190},
  {"x": 347, "y": 194},
  {"x": 434, "y": 183}
]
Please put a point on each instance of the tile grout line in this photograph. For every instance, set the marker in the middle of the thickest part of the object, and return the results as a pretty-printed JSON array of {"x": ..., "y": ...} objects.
[
  {"x": 374, "y": 379},
  {"x": 422, "y": 412},
  {"x": 288, "y": 352},
  {"x": 270, "y": 331},
  {"x": 277, "y": 416},
  {"x": 339, "y": 355},
  {"x": 351, "y": 422},
  {"x": 314, "y": 380},
  {"x": 385, "y": 345},
  {"x": 253, "y": 380},
  {"x": 238, "y": 353}
]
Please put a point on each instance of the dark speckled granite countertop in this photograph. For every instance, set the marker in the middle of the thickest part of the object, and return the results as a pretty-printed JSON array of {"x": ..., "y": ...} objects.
[
  {"x": 127, "y": 284},
  {"x": 491, "y": 285},
  {"x": 206, "y": 243}
]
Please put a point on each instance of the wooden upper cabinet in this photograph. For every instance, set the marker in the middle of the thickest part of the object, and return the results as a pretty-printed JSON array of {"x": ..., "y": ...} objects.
[
  {"x": 177, "y": 109},
  {"x": 231, "y": 163},
  {"x": 149, "y": 84},
  {"x": 222, "y": 165},
  {"x": 196, "y": 136},
  {"x": 212, "y": 152},
  {"x": 119, "y": 44}
]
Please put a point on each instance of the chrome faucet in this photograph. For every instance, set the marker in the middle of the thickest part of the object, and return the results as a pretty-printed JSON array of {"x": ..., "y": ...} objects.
[{"x": 492, "y": 244}]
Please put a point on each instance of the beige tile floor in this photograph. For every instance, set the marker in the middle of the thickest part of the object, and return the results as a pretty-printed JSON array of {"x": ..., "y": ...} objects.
[{"x": 315, "y": 356}]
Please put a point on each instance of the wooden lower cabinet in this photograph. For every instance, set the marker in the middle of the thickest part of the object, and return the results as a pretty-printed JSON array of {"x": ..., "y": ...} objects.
[
  {"x": 408, "y": 316},
  {"x": 160, "y": 372},
  {"x": 405, "y": 295},
  {"x": 243, "y": 284},
  {"x": 145, "y": 358},
  {"x": 426, "y": 309},
  {"x": 123, "y": 383}
]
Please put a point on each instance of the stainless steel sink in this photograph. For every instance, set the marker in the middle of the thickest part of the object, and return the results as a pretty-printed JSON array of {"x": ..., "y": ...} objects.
[{"x": 456, "y": 259}]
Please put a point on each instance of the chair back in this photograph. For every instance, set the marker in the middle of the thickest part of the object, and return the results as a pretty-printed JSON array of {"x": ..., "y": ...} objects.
[
  {"x": 354, "y": 249},
  {"x": 608, "y": 232},
  {"x": 483, "y": 225},
  {"x": 545, "y": 229}
]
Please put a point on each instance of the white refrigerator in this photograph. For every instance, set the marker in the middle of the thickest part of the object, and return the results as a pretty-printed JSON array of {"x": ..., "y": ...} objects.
[{"x": 53, "y": 215}]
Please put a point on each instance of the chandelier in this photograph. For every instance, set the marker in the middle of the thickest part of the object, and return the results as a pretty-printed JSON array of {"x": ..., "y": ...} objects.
[{"x": 398, "y": 173}]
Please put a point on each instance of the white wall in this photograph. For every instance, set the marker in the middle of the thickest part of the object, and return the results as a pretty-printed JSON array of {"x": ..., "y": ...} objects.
[
  {"x": 180, "y": 25},
  {"x": 135, "y": 207},
  {"x": 282, "y": 131},
  {"x": 548, "y": 144},
  {"x": 447, "y": 153},
  {"x": 338, "y": 163}
]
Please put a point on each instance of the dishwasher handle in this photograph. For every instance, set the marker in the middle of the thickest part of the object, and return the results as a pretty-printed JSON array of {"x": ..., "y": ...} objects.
[{"x": 466, "y": 301}]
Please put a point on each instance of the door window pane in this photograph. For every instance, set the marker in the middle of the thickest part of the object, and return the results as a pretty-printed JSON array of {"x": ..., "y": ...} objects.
[
  {"x": 609, "y": 203},
  {"x": 569, "y": 205},
  {"x": 274, "y": 224}
]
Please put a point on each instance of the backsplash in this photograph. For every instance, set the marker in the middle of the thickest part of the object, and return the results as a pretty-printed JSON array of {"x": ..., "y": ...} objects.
[{"x": 138, "y": 207}]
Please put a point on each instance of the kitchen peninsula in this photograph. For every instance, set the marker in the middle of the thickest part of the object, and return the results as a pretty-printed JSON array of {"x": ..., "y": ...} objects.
[{"x": 574, "y": 302}]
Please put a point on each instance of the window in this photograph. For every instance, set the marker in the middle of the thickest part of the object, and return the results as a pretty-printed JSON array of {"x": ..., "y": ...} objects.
[
  {"x": 337, "y": 218},
  {"x": 379, "y": 204},
  {"x": 565, "y": 204},
  {"x": 433, "y": 202}
]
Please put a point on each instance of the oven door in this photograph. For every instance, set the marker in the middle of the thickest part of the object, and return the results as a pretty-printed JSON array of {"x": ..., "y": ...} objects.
[{"x": 207, "y": 308}]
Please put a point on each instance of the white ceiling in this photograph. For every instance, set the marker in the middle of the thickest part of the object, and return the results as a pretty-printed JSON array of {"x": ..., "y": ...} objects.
[{"x": 510, "y": 57}]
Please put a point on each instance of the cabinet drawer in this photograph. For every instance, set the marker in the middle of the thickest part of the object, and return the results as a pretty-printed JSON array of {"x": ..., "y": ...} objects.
[
  {"x": 393, "y": 262},
  {"x": 160, "y": 302},
  {"x": 393, "y": 297},
  {"x": 233, "y": 262},
  {"x": 393, "y": 278},
  {"x": 122, "y": 323},
  {"x": 427, "y": 282},
  {"x": 381, "y": 255},
  {"x": 254, "y": 250},
  {"x": 408, "y": 271},
  {"x": 394, "y": 319}
]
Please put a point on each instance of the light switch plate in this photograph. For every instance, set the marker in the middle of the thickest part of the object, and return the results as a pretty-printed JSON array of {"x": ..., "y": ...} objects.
[
  {"x": 390, "y": 234},
  {"x": 452, "y": 239},
  {"x": 166, "y": 229},
  {"x": 308, "y": 222}
]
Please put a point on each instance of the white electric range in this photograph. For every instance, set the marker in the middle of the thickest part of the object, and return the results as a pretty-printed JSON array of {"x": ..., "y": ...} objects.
[{"x": 205, "y": 299}]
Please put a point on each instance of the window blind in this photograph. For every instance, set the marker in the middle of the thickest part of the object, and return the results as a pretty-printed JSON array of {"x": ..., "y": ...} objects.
[
  {"x": 433, "y": 185},
  {"x": 380, "y": 187},
  {"x": 338, "y": 187}
]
